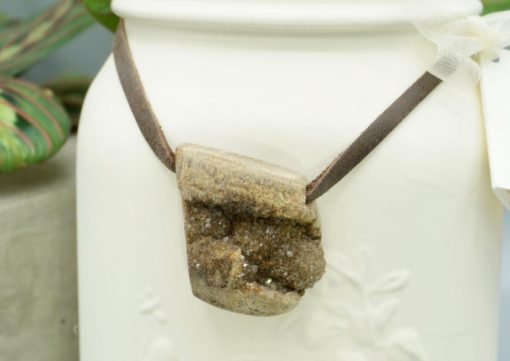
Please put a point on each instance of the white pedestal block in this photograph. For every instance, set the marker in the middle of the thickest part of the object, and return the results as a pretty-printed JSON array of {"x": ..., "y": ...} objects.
[{"x": 38, "y": 293}]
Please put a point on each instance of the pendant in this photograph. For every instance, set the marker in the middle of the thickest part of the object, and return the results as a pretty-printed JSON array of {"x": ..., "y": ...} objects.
[{"x": 253, "y": 243}]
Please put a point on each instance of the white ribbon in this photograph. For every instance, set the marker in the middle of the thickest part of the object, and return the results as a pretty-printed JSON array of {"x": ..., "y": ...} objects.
[
  {"x": 462, "y": 45},
  {"x": 460, "y": 41}
]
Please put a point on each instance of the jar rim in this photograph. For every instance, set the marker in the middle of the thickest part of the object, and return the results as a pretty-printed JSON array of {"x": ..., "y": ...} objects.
[{"x": 291, "y": 16}]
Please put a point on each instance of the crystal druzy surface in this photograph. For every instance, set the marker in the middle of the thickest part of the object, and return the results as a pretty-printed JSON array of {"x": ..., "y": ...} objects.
[{"x": 254, "y": 245}]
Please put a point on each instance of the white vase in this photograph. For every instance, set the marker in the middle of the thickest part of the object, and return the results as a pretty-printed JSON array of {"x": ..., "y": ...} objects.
[{"x": 411, "y": 235}]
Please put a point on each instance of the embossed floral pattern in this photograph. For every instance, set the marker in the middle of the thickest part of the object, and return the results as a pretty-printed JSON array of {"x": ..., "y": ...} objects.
[
  {"x": 354, "y": 319},
  {"x": 150, "y": 305},
  {"x": 159, "y": 347}
]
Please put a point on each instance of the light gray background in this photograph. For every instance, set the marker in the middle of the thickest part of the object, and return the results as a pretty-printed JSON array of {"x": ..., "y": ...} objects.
[{"x": 86, "y": 54}]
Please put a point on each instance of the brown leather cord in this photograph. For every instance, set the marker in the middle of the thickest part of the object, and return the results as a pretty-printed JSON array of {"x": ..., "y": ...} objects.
[
  {"x": 137, "y": 99},
  {"x": 371, "y": 137}
]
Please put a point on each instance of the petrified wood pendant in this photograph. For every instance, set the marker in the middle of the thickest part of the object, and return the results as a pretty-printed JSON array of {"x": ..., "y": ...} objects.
[{"x": 254, "y": 245}]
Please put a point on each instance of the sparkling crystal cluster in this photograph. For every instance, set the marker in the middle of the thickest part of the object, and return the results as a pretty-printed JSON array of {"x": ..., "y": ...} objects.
[{"x": 253, "y": 244}]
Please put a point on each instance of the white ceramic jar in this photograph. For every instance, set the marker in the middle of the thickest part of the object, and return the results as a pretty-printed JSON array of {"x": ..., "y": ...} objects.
[{"x": 411, "y": 235}]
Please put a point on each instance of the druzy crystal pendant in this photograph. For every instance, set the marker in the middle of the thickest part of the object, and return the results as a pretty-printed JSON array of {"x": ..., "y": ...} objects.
[{"x": 253, "y": 243}]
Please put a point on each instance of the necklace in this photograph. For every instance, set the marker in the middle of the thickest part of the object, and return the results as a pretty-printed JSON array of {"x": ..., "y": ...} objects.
[{"x": 252, "y": 232}]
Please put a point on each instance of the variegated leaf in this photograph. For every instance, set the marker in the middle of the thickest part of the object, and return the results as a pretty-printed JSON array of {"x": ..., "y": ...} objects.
[
  {"x": 33, "y": 124},
  {"x": 24, "y": 43},
  {"x": 4, "y": 20},
  {"x": 71, "y": 92}
]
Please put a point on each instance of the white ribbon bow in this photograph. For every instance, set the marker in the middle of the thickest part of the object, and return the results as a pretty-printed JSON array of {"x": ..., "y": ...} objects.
[{"x": 459, "y": 41}]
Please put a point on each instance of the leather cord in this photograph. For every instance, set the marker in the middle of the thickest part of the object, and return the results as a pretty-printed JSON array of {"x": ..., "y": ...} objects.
[
  {"x": 369, "y": 139},
  {"x": 137, "y": 99},
  {"x": 372, "y": 136}
]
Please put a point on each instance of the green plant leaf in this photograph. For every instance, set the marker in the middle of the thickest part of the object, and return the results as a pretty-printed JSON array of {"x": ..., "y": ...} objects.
[
  {"x": 71, "y": 91},
  {"x": 24, "y": 43},
  {"x": 101, "y": 10},
  {"x": 4, "y": 20},
  {"x": 491, "y": 6},
  {"x": 33, "y": 124}
]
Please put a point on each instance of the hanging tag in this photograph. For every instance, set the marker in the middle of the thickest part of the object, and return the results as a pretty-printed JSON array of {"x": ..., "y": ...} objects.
[{"x": 495, "y": 92}]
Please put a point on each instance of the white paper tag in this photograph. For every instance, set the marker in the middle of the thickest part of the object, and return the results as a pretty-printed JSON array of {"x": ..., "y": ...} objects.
[{"x": 495, "y": 91}]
